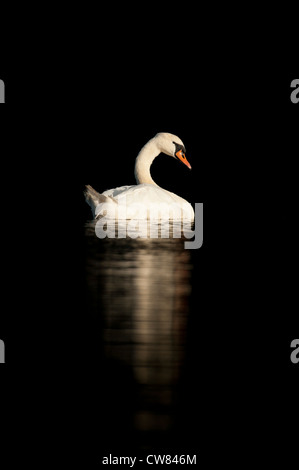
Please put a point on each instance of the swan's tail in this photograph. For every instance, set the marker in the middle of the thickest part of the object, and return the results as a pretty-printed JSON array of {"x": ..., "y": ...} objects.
[{"x": 93, "y": 198}]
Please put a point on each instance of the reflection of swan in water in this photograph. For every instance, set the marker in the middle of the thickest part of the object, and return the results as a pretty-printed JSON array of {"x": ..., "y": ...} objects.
[
  {"x": 135, "y": 202},
  {"x": 144, "y": 287}
]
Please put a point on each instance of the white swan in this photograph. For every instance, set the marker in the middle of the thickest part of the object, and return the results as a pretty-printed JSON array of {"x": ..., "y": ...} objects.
[{"x": 146, "y": 199}]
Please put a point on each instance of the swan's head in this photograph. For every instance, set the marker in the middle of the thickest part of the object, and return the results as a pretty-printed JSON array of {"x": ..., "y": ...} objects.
[{"x": 172, "y": 145}]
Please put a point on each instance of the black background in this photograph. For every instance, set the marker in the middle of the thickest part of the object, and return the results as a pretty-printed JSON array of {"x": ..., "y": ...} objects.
[{"x": 85, "y": 125}]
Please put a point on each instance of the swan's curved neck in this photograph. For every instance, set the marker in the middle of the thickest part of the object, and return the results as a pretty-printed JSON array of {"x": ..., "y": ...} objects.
[{"x": 143, "y": 162}]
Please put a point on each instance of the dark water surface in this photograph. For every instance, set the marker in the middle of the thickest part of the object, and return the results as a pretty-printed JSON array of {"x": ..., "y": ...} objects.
[{"x": 138, "y": 293}]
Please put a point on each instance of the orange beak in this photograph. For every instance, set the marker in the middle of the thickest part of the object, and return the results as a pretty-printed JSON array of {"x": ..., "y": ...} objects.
[{"x": 181, "y": 156}]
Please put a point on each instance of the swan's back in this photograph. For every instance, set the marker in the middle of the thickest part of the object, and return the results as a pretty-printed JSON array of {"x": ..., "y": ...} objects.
[{"x": 141, "y": 198}]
